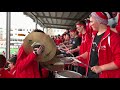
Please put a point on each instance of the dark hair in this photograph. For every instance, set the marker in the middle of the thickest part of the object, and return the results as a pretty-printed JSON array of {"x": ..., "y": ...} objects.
[
  {"x": 68, "y": 34},
  {"x": 82, "y": 22},
  {"x": 110, "y": 13},
  {"x": 13, "y": 59},
  {"x": 58, "y": 35},
  {"x": 2, "y": 61},
  {"x": 74, "y": 29},
  {"x": 67, "y": 30},
  {"x": 38, "y": 30}
]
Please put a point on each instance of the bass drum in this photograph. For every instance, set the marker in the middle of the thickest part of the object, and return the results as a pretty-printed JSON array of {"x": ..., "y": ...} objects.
[{"x": 67, "y": 74}]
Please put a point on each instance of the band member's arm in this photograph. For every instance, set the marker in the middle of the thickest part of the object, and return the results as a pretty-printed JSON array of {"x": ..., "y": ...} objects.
[
  {"x": 69, "y": 46},
  {"x": 114, "y": 30},
  {"x": 109, "y": 66},
  {"x": 65, "y": 49},
  {"x": 117, "y": 27},
  {"x": 84, "y": 55},
  {"x": 80, "y": 57},
  {"x": 24, "y": 62},
  {"x": 118, "y": 24},
  {"x": 115, "y": 64},
  {"x": 65, "y": 42},
  {"x": 73, "y": 50}
]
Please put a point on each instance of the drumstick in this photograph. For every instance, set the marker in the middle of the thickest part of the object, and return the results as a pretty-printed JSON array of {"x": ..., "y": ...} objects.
[
  {"x": 77, "y": 59},
  {"x": 80, "y": 62},
  {"x": 67, "y": 48}
]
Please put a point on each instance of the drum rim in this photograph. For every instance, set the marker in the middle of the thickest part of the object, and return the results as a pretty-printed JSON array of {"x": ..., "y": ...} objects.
[{"x": 58, "y": 73}]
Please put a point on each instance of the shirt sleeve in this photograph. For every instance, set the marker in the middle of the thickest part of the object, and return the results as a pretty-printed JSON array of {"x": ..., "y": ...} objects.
[{"x": 23, "y": 59}]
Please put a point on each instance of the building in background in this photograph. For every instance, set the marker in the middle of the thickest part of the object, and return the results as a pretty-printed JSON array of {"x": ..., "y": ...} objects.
[
  {"x": 20, "y": 24},
  {"x": 55, "y": 32}
]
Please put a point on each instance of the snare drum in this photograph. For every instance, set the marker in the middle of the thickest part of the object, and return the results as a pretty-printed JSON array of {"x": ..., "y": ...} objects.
[
  {"x": 67, "y": 74},
  {"x": 67, "y": 63}
]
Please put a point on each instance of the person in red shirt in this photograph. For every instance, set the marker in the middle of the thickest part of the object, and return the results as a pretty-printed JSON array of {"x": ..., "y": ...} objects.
[
  {"x": 4, "y": 73},
  {"x": 104, "y": 56},
  {"x": 84, "y": 47},
  {"x": 3, "y": 53},
  {"x": 111, "y": 16},
  {"x": 63, "y": 37},
  {"x": 75, "y": 42},
  {"x": 117, "y": 27},
  {"x": 58, "y": 40},
  {"x": 85, "y": 31},
  {"x": 11, "y": 64},
  {"x": 118, "y": 24},
  {"x": 26, "y": 65}
]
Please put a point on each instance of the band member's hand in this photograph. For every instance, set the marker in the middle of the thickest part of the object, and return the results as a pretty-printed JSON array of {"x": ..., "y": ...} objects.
[
  {"x": 39, "y": 50},
  {"x": 96, "y": 69},
  {"x": 69, "y": 51},
  {"x": 78, "y": 57},
  {"x": 58, "y": 48},
  {"x": 74, "y": 63},
  {"x": 66, "y": 49}
]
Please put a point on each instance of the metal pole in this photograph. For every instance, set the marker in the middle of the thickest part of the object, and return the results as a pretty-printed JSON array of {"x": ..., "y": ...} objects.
[
  {"x": 37, "y": 19},
  {"x": 8, "y": 25},
  {"x": 36, "y": 22},
  {"x": 43, "y": 29}
]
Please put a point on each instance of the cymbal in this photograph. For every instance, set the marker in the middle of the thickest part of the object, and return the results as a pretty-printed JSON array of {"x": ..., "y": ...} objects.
[
  {"x": 55, "y": 67},
  {"x": 43, "y": 39},
  {"x": 52, "y": 61},
  {"x": 54, "y": 64}
]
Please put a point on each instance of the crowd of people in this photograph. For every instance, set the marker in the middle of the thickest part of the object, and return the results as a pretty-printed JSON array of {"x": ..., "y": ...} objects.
[
  {"x": 99, "y": 47},
  {"x": 93, "y": 41}
]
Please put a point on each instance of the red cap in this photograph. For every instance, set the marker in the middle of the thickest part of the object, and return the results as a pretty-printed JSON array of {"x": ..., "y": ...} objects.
[
  {"x": 79, "y": 24},
  {"x": 99, "y": 16},
  {"x": 73, "y": 30}
]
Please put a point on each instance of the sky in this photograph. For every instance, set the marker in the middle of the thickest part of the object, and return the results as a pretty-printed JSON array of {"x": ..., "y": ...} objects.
[{"x": 18, "y": 20}]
